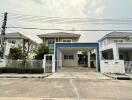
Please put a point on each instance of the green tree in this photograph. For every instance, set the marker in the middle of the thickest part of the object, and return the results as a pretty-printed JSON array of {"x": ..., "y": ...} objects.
[
  {"x": 41, "y": 50},
  {"x": 15, "y": 53}
]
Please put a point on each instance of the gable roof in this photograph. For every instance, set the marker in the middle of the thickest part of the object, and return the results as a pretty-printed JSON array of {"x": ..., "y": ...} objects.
[
  {"x": 117, "y": 35},
  {"x": 20, "y": 35},
  {"x": 16, "y": 34},
  {"x": 60, "y": 34}
]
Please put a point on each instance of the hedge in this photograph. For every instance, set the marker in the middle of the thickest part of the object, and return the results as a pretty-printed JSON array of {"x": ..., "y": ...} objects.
[{"x": 21, "y": 70}]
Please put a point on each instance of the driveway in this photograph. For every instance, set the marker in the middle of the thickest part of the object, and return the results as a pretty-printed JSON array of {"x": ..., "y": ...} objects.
[{"x": 78, "y": 72}]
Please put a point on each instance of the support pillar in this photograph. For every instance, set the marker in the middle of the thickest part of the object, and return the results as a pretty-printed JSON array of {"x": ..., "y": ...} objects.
[
  {"x": 89, "y": 65},
  {"x": 115, "y": 52}
]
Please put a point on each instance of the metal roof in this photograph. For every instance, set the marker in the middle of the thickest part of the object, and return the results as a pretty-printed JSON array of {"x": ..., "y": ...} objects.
[
  {"x": 60, "y": 34},
  {"x": 117, "y": 35}
]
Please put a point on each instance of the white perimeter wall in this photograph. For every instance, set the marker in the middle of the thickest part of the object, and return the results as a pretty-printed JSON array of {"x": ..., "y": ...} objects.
[{"x": 112, "y": 66}]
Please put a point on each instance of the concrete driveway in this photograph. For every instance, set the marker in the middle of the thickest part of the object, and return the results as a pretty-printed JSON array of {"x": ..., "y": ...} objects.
[
  {"x": 70, "y": 89},
  {"x": 78, "y": 72}
]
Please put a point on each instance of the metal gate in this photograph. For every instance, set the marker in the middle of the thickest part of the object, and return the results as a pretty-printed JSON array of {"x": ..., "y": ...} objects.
[
  {"x": 128, "y": 66},
  {"x": 49, "y": 63}
]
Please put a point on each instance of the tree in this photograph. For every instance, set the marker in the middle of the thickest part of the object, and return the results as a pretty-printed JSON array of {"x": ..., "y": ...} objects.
[
  {"x": 41, "y": 50},
  {"x": 15, "y": 53}
]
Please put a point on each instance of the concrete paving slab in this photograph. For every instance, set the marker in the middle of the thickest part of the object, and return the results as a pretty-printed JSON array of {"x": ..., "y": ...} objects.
[{"x": 36, "y": 88}]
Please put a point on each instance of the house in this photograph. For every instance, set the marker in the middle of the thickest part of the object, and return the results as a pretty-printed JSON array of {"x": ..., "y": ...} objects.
[
  {"x": 117, "y": 46},
  {"x": 51, "y": 38},
  {"x": 69, "y": 52},
  {"x": 15, "y": 40}
]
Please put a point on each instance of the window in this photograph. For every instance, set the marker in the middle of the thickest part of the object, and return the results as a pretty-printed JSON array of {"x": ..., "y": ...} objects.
[
  {"x": 13, "y": 41},
  {"x": 118, "y": 40},
  {"x": 68, "y": 57},
  {"x": 67, "y": 40},
  {"x": 51, "y": 45},
  {"x": 71, "y": 57}
]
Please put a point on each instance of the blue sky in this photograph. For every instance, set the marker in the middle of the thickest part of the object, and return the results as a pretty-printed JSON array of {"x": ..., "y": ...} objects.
[{"x": 69, "y": 8}]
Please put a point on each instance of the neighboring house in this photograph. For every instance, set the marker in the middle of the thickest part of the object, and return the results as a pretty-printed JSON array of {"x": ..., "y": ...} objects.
[
  {"x": 117, "y": 46},
  {"x": 15, "y": 40}
]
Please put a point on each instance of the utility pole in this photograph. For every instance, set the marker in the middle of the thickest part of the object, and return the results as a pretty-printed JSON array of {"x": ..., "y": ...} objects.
[{"x": 3, "y": 34}]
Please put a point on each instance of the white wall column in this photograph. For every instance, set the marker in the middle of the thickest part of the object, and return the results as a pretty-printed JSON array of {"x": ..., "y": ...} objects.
[
  {"x": 115, "y": 52},
  {"x": 88, "y": 53},
  {"x": 101, "y": 57}
]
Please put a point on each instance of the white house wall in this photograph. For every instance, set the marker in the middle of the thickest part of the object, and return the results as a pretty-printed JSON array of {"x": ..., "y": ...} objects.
[{"x": 70, "y": 62}]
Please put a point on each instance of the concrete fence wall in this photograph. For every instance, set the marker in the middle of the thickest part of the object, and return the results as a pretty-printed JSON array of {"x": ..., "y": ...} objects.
[
  {"x": 19, "y": 64},
  {"x": 112, "y": 66}
]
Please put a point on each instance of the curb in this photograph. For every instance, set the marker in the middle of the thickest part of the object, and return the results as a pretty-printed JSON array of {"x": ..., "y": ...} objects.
[
  {"x": 125, "y": 77},
  {"x": 24, "y": 76}
]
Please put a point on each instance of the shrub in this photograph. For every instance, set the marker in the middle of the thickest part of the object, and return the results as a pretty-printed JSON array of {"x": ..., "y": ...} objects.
[
  {"x": 15, "y": 53},
  {"x": 21, "y": 70},
  {"x": 41, "y": 50}
]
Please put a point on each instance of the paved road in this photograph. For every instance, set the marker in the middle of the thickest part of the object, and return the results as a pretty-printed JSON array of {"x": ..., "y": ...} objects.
[{"x": 65, "y": 88}]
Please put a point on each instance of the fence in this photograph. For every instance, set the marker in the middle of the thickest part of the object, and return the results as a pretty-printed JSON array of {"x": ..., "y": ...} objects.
[
  {"x": 28, "y": 64},
  {"x": 128, "y": 66}
]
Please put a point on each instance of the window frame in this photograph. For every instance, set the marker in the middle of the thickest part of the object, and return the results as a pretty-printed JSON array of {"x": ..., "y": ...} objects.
[
  {"x": 13, "y": 41},
  {"x": 66, "y": 40},
  {"x": 118, "y": 40},
  {"x": 68, "y": 57}
]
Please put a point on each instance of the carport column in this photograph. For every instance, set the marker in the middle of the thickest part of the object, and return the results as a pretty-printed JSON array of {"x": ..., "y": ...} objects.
[
  {"x": 60, "y": 60},
  {"x": 115, "y": 52},
  {"x": 89, "y": 59}
]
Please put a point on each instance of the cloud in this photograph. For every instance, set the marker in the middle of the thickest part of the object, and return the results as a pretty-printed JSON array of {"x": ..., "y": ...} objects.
[{"x": 95, "y": 8}]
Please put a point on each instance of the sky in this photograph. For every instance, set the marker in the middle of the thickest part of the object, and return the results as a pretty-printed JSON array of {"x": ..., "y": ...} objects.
[{"x": 68, "y": 9}]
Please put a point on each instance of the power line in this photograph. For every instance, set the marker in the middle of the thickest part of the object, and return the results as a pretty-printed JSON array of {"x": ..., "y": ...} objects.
[
  {"x": 31, "y": 28},
  {"x": 64, "y": 17},
  {"x": 55, "y": 21},
  {"x": 46, "y": 17},
  {"x": 63, "y": 20}
]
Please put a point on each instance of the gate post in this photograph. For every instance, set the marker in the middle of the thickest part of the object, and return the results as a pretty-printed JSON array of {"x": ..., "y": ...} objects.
[
  {"x": 53, "y": 63},
  {"x": 44, "y": 63}
]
